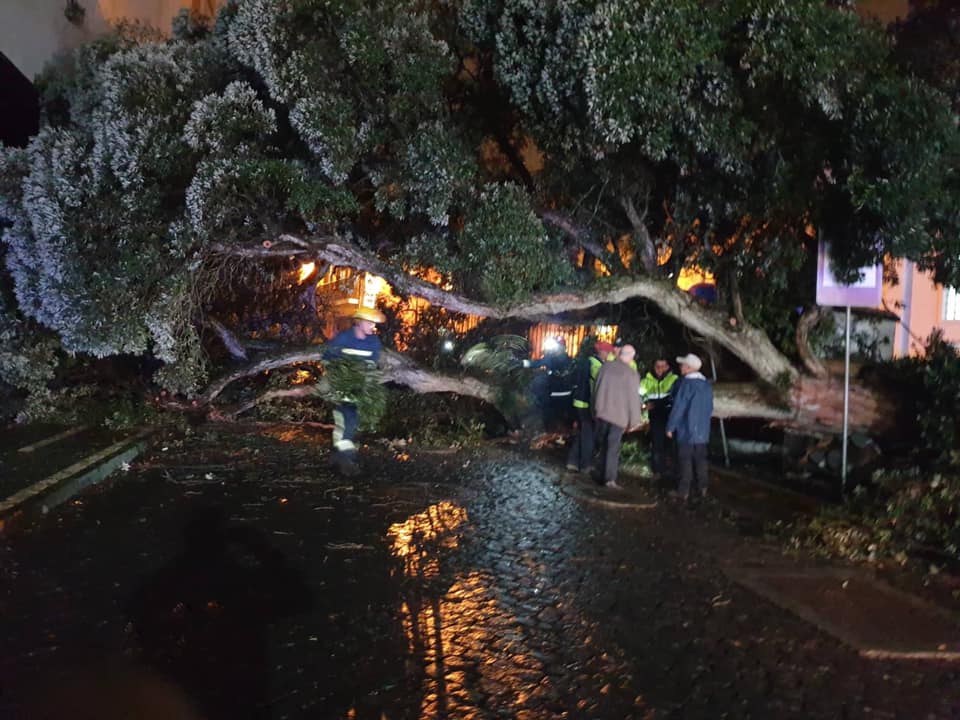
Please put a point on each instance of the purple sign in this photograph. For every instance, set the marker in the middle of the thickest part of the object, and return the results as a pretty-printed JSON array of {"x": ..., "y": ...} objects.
[{"x": 867, "y": 292}]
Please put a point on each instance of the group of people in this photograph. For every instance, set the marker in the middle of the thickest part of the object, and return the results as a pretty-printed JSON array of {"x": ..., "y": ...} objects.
[{"x": 609, "y": 399}]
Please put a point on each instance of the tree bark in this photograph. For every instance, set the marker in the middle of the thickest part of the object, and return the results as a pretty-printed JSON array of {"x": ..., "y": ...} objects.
[
  {"x": 751, "y": 345},
  {"x": 810, "y": 361},
  {"x": 228, "y": 339},
  {"x": 396, "y": 368},
  {"x": 811, "y": 403},
  {"x": 647, "y": 252},
  {"x": 731, "y": 400},
  {"x": 580, "y": 236}
]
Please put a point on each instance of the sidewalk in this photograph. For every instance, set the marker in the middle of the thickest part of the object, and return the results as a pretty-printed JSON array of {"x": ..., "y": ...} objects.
[
  {"x": 873, "y": 615},
  {"x": 42, "y": 466}
]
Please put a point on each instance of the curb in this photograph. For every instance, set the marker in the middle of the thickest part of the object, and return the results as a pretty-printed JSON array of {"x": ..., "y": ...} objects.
[
  {"x": 577, "y": 492},
  {"x": 44, "y": 495},
  {"x": 755, "y": 580}
]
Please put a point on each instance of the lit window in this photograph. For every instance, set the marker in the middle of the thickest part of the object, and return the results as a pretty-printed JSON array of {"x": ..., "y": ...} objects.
[{"x": 951, "y": 304}]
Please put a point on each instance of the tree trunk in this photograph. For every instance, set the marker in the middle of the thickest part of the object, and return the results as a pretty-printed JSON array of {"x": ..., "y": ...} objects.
[
  {"x": 751, "y": 345},
  {"x": 732, "y": 400},
  {"x": 808, "y": 321},
  {"x": 810, "y": 403}
]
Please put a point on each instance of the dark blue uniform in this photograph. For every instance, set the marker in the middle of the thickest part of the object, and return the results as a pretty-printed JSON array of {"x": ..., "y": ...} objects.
[{"x": 347, "y": 345}]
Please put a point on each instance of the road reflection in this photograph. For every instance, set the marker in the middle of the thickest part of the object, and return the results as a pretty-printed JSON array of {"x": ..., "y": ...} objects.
[{"x": 472, "y": 652}]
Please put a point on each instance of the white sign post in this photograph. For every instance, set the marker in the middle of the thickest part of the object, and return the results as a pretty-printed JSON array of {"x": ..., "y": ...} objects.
[{"x": 866, "y": 292}]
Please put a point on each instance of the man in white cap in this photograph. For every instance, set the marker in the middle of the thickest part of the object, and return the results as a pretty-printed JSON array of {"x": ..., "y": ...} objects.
[
  {"x": 689, "y": 422},
  {"x": 356, "y": 343}
]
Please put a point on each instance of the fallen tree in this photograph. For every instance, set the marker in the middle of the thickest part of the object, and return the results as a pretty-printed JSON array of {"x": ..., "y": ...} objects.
[
  {"x": 814, "y": 407},
  {"x": 540, "y": 160},
  {"x": 785, "y": 396}
]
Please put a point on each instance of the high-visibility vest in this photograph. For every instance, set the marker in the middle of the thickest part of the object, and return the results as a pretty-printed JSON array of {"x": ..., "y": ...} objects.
[
  {"x": 595, "y": 365},
  {"x": 653, "y": 389}
]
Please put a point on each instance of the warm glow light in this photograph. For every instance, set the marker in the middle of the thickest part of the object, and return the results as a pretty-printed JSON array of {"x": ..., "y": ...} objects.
[
  {"x": 693, "y": 276},
  {"x": 372, "y": 286},
  {"x": 306, "y": 270},
  {"x": 572, "y": 336},
  {"x": 413, "y": 539},
  {"x": 467, "y": 622},
  {"x": 300, "y": 377}
]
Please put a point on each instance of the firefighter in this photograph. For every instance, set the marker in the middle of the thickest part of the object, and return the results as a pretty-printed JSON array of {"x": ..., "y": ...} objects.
[
  {"x": 358, "y": 342},
  {"x": 580, "y": 458},
  {"x": 551, "y": 390},
  {"x": 655, "y": 389}
]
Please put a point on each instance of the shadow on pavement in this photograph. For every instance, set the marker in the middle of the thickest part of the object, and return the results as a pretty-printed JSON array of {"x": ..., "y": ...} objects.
[{"x": 202, "y": 620}]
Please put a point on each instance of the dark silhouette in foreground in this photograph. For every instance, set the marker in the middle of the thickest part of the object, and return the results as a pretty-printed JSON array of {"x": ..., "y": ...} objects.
[{"x": 202, "y": 620}]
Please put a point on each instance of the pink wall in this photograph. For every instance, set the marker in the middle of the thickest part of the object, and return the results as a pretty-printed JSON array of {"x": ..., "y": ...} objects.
[
  {"x": 884, "y": 10},
  {"x": 920, "y": 312}
]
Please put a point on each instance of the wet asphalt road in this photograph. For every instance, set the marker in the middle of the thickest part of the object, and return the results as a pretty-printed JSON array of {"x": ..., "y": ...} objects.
[{"x": 260, "y": 585}]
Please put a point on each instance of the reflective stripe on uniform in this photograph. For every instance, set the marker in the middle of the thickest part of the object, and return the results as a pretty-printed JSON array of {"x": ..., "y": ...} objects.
[
  {"x": 338, "y": 427},
  {"x": 344, "y": 445},
  {"x": 562, "y": 393},
  {"x": 581, "y": 404},
  {"x": 657, "y": 396},
  {"x": 356, "y": 353}
]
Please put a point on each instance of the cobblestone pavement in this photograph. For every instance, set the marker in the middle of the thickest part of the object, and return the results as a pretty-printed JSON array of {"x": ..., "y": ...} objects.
[{"x": 438, "y": 586}]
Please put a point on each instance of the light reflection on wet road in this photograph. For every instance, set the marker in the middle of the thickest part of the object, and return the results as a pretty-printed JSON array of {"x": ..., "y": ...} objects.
[{"x": 434, "y": 588}]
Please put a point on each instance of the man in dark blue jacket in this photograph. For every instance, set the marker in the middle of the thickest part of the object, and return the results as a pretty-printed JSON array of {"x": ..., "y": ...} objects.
[
  {"x": 580, "y": 458},
  {"x": 356, "y": 343},
  {"x": 689, "y": 422}
]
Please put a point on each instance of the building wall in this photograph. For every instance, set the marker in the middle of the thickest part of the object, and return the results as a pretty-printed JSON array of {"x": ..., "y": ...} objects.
[
  {"x": 884, "y": 10},
  {"x": 919, "y": 303},
  {"x": 33, "y": 31}
]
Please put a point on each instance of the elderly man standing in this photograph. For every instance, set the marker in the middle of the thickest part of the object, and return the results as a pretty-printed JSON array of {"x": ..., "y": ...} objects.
[
  {"x": 617, "y": 409},
  {"x": 689, "y": 421}
]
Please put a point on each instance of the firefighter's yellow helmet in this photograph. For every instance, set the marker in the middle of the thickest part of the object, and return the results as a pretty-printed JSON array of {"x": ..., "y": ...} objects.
[{"x": 371, "y": 314}]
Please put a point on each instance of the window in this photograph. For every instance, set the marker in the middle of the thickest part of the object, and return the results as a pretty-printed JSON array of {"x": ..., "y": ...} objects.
[{"x": 951, "y": 304}]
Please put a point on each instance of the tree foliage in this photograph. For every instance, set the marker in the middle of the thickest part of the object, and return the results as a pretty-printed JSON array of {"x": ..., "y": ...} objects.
[{"x": 440, "y": 134}]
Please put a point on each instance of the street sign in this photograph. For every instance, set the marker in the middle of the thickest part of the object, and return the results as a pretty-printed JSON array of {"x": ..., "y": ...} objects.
[{"x": 867, "y": 292}]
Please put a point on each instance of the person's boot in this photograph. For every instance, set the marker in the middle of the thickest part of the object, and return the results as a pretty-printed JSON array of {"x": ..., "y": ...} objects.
[{"x": 345, "y": 464}]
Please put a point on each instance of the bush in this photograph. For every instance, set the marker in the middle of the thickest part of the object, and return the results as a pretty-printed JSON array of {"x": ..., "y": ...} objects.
[
  {"x": 930, "y": 388},
  {"x": 907, "y": 513},
  {"x": 913, "y": 511},
  {"x": 635, "y": 458},
  {"x": 435, "y": 420}
]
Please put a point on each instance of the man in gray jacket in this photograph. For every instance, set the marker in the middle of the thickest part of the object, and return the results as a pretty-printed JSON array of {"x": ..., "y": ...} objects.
[
  {"x": 689, "y": 422},
  {"x": 616, "y": 406}
]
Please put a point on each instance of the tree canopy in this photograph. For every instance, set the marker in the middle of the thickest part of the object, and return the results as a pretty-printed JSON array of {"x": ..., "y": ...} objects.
[{"x": 495, "y": 141}]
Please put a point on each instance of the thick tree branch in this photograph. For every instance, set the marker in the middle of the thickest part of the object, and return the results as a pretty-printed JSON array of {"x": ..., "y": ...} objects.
[
  {"x": 749, "y": 344},
  {"x": 736, "y": 299},
  {"x": 808, "y": 321},
  {"x": 731, "y": 400},
  {"x": 647, "y": 251},
  {"x": 228, "y": 339},
  {"x": 396, "y": 368},
  {"x": 578, "y": 234}
]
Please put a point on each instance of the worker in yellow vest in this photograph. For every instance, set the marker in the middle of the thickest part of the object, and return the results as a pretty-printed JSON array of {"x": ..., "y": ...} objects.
[
  {"x": 656, "y": 391},
  {"x": 580, "y": 458}
]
